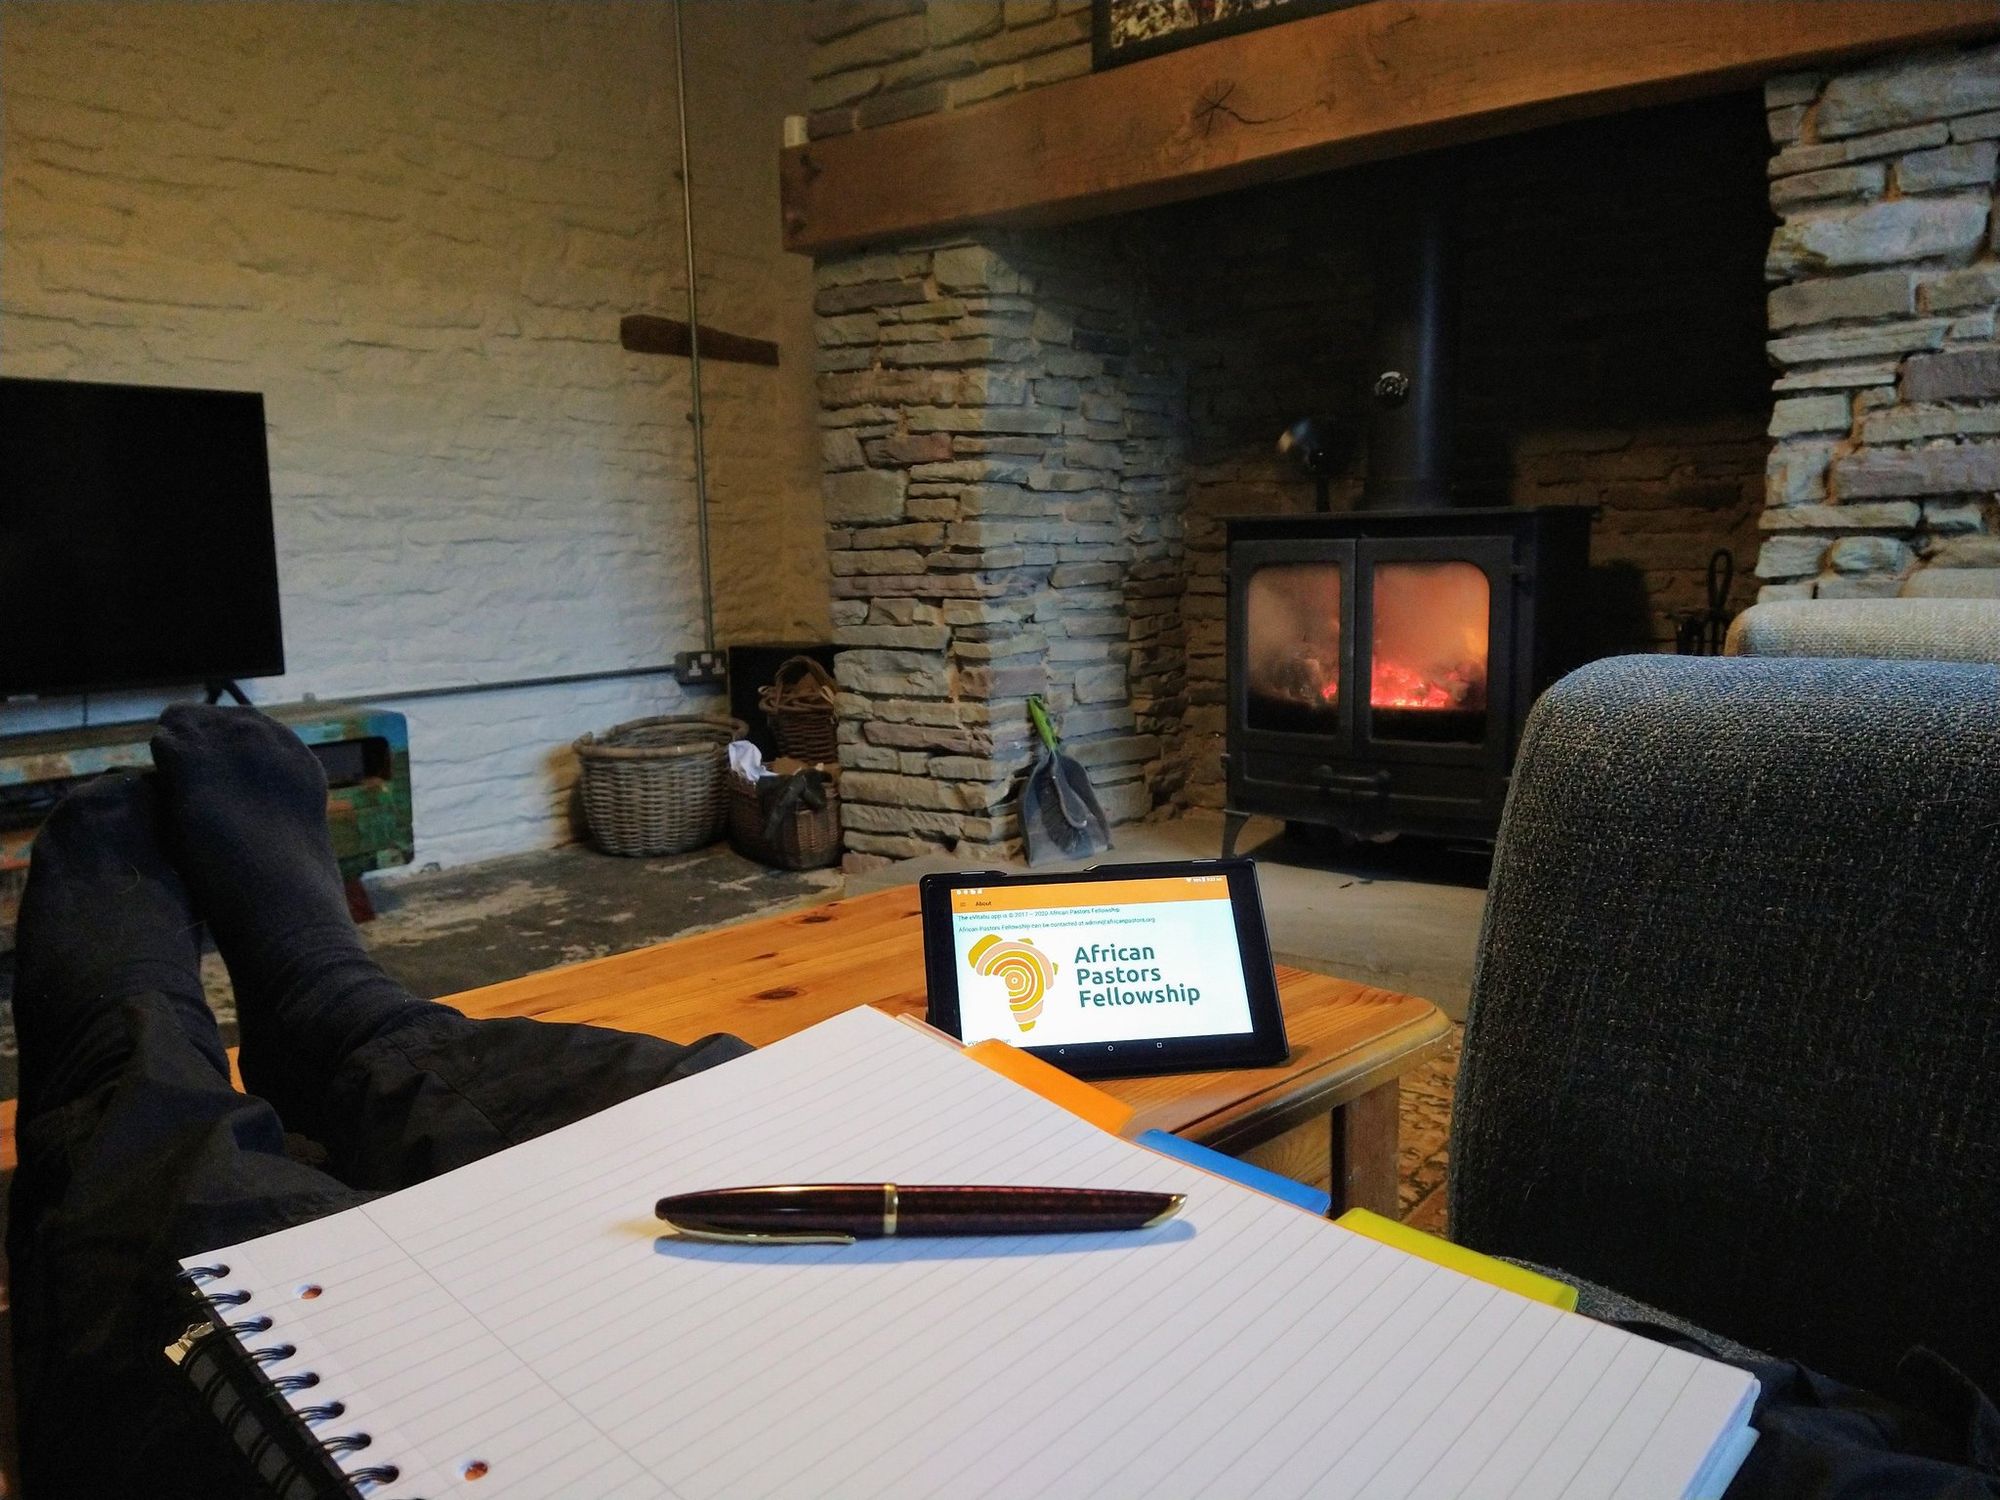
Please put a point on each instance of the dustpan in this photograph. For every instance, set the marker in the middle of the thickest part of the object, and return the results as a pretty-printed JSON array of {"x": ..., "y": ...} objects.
[{"x": 1060, "y": 818}]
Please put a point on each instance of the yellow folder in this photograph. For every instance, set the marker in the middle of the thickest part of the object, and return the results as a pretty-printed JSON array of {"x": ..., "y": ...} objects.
[{"x": 1444, "y": 1253}]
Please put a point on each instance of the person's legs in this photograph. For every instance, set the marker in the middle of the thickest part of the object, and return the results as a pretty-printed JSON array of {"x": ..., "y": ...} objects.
[
  {"x": 244, "y": 804},
  {"x": 395, "y": 1087},
  {"x": 134, "y": 1150}
]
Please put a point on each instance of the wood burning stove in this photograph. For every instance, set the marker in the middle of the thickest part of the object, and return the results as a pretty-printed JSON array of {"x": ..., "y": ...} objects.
[{"x": 1381, "y": 663}]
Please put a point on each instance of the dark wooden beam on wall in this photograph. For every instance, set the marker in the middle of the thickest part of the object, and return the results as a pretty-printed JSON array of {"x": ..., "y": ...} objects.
[
  {"x": 1354, "y": 85},
  {"x": 643, "y": 333}
]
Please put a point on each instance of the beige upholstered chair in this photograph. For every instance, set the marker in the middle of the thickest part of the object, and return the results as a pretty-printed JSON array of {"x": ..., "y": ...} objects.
[{"x": 1881, "y": 629}]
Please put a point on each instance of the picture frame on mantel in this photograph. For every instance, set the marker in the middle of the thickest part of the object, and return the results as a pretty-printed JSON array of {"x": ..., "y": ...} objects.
[{"x": 1123, "y": 31}]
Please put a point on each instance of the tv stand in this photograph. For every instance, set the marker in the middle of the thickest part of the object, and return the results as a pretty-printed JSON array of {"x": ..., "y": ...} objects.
[
  {"x": 217, "y": 687},
  {"x": 364, "y": 751}
]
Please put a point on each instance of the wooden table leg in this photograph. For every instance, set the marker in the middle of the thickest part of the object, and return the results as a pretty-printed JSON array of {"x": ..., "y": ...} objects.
[
  {"x": 1364, "y": 1152},
  {"x": 1351, "y": 1155}
]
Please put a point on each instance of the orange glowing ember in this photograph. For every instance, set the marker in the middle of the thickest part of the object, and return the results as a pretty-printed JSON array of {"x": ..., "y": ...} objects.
[{"x": 1393, "y": 685}]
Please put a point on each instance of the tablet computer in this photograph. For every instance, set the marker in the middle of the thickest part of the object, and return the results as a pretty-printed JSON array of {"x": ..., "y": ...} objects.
[{"x": 1148, "y": 968}]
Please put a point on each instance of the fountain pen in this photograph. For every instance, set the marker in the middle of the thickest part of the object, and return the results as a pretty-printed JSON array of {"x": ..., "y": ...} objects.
[{"x": 839, "y": 1213}]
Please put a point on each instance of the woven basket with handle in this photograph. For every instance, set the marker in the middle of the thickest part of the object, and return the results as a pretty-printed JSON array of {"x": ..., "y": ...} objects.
[
  {"x": 805, "y": 838},
  {"x": 800, "y": 702},
  {"x": 657, "y": 786}
]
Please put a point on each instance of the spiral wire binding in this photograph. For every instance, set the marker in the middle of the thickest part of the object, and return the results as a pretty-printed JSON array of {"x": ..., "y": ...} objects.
[
  {"x": 194, "y": 1276},
  {"x": 340, "y": 1446}
]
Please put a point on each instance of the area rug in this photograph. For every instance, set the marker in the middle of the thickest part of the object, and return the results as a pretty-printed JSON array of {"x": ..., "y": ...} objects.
[{"x": 1423, "y": 1136}]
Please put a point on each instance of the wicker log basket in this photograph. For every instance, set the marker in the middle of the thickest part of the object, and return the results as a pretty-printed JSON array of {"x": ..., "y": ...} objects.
[
  {"x": 657, "y": 786},
  {"x": 806, "y": 838},
  {"x": 799, "y": 702}
]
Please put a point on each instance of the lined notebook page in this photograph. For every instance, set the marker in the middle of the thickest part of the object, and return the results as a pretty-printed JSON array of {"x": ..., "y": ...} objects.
[{"x": 522, "y": 1312}]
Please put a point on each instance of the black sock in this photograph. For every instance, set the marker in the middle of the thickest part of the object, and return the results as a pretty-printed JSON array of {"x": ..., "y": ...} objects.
[
  {"x": 104, "y": 917},
  {"x": 245, "y": 805}
]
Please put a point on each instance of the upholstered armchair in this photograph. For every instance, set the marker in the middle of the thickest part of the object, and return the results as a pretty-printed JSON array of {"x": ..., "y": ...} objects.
[
  {"x": 1734, "y": 1041},
  {"x": 1882, "y": 629}
]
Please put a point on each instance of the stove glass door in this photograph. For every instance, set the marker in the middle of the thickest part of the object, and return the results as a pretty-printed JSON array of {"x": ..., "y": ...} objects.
[
  {"x": 1292, "y": 648},
  {"x": 1428, "y": 651}
]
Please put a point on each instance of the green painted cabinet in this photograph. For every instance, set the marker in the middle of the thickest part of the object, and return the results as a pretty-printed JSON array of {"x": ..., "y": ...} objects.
[{"x": 365, "y": 751}]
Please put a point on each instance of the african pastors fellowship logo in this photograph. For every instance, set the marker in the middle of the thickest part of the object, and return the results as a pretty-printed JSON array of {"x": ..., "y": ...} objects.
[{"x": 1022, "y": 967}]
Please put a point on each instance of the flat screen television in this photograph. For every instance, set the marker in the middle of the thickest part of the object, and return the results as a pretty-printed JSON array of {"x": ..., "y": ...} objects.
[{"x": 135, "y": 538}]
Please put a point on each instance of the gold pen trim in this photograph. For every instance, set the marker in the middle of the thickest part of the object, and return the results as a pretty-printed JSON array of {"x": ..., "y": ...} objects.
[
  {"x": 888, "y": 1210},
  {"x": 745, "y": 1237},
  {"x": 1166, "y": 1213}
]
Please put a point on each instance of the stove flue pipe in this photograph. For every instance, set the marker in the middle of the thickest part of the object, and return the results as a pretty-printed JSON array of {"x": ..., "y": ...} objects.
[{"x": 1409, "y": 396}]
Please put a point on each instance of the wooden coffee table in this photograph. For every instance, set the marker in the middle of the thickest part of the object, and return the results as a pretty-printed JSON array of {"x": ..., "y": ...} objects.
[{"x": 1327, "y": 1117}]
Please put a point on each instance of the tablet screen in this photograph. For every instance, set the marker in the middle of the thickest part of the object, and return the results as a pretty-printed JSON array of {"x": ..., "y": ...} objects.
[{"x": 1074, "y": 962}]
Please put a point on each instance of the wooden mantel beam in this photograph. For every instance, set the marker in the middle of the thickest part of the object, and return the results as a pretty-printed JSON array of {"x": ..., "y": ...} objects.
[{"x": 1377, "y": 80}]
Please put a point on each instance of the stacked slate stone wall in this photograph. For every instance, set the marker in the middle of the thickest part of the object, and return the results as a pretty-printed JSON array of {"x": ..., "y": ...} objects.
[
  {"x": 1886, "y": 425},
  {"x": 1003, "y": 487},
  {"x": 879, "y": 61}
]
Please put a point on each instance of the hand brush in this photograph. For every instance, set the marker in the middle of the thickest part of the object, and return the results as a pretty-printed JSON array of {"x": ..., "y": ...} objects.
[{"x": 1060, "y": 817}]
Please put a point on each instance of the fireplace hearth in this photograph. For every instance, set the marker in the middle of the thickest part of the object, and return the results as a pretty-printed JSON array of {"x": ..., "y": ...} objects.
[
  {"x": 1382, "y": 663},
  {"x": 1036, "y": 440}
]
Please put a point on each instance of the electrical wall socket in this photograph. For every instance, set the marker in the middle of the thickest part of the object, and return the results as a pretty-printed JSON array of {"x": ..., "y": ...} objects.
[{"x": 699, "y": 668}]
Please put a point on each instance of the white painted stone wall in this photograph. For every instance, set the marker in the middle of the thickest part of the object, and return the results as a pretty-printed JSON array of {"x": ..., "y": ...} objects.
[{"x": 414, "y": 227}]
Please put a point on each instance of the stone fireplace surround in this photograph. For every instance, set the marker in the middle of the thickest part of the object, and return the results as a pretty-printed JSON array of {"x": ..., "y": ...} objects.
[{"x": 1030, "y": 436}]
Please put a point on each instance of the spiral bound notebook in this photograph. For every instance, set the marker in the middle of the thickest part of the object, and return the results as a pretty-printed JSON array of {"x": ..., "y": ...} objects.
[{"x": 518, "y": 1329}]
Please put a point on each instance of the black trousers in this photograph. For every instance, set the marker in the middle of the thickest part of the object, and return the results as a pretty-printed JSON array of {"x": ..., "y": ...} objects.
[{"x": 158, "y": 1157}]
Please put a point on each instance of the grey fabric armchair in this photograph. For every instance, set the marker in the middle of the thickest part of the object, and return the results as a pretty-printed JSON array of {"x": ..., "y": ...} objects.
[{"x": 1734, "y": 1040}]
